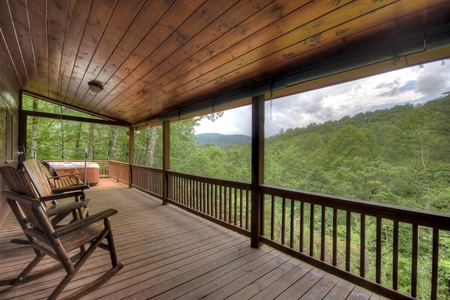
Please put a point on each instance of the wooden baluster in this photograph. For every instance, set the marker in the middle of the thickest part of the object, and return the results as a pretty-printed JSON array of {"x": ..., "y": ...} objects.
[
  {"x": 180, "y": 190},
  {"x": 236, "y": 206},
  {"x": 323, "y": 233},
  {"x": 193, "y": 193},
  {"x": 230, "y": 205},
  {"x": 169, "y": 187},
  {"x": 311, "y": 230},
  {"x": 435, "y": 264},
  {"x": 302, "y": 226},
  {"x": 202, "y": 196},
  {"x": 216, "y": 192},
  {"x": 197, "y": 195},
  {"x": 378, "y": 252},
  {"x": 263, "y": 216},
  {"x": 362, "y": 247},
  {"x": 291, "y": 243},
  {"x": 201, "y": 201},
  {"x": 178, "y": 183},
  {"x": 175, "y": 188},
  {"x": 241, "y": 202},
  {"x": 221, "y": 203},
  {"x": 283, "y": 220},
  {"x": 207, "y": 192},
  {"x": 185, "y": 196},
  {"x": 335, "y": 217},
  {"x": 395, "y": 258},
  {"x": 414, "y": 258},
  {"x": 348, "y": 241},
  {"x": 247, "y": 197},
  {"x": 225, "y": 206},
  {"x": 186, "y": 192},
  {"x": 189, "y": 192},
  {"x": 272, "y": 219}
]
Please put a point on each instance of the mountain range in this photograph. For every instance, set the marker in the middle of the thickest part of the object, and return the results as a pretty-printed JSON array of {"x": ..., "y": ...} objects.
[{"x": 222, "y": 140}]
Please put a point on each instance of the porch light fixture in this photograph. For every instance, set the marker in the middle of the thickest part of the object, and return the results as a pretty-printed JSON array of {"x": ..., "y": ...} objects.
[{"x": 95, "y": 86}]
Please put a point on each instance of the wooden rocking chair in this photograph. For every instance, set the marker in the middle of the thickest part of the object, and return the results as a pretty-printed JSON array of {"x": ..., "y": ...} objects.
[
  {"x": 45, "y": 239},
  {"x": 57, "y": 211},
  {"x": 45, "y": 192},
  {"x": 57, "y": 183},
  {"x": 64, "y": 181}
]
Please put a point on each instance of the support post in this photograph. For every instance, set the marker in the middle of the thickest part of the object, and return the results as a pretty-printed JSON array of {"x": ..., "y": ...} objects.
[
  {"x": 166, "y": 159},
  {"x": 257, "y": 166},
  {"x": 22, "y": 132},
  {"x": 131, "y": 154}
]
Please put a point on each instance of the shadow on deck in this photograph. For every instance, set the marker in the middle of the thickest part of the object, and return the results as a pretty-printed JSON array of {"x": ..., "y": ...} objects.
[{"x": 169, "y": 253}]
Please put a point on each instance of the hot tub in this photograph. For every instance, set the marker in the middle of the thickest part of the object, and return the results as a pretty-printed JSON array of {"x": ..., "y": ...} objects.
[{"x": 63, "y": 168}]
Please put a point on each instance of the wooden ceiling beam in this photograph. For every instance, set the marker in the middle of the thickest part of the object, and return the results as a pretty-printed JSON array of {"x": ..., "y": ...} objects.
[
  {"x": 28, "y": 113},
  {"x": 57, "y": 102}
]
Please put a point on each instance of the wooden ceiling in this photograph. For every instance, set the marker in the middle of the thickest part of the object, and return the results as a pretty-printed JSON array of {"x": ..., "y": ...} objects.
[{"x": 158, "y": 56}]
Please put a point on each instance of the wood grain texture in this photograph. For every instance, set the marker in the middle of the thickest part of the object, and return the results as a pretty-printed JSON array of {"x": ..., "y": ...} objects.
[
  {"x": 175, "y": 255},
  {"x": 157, "y": 56}
]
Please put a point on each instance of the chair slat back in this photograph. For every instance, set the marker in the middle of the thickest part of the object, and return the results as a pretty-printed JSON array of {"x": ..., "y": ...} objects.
[
  {"x": 71, "y": 179},
  {"x": 18, "y": 181},
  {"x": 38, "y": 178},
  {"x": 25, "y": 207},
  {"x": 46, "y": 172}
]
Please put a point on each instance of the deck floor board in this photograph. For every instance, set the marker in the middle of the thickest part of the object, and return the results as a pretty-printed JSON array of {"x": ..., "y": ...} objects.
[{"x": 171, "y": 254}]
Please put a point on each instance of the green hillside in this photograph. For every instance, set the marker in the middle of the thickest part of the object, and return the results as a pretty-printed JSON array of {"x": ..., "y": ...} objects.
[
  {"x": 221, "y": 140},
  {"x": 397, "y": 156}
]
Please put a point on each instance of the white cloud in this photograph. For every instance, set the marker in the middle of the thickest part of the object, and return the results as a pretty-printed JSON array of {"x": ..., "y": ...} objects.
[
  {"x": 434, "y": 79},
  {"x": 234, "y": 121},
  {"x": 332, "y": 103}
]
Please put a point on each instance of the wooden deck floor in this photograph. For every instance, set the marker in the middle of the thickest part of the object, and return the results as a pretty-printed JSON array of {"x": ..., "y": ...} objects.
[{"x": 171, "y": 254}]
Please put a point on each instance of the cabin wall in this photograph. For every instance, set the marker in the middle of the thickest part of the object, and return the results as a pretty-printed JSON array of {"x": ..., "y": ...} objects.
[{"x": 9, "y": 124}]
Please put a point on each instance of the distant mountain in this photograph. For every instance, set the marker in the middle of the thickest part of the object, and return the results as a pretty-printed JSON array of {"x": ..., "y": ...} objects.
[{"x": 222, "y": 140}]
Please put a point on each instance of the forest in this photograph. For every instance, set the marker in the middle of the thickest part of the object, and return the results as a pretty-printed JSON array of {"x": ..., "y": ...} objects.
[{"x": 396, "y": 156}]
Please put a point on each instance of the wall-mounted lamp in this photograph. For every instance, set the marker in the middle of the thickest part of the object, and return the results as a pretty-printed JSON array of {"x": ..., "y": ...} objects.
[{"x": 95, "y": 86}]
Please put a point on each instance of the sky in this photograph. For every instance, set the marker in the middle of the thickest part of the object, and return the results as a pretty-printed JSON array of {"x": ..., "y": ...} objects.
[{"x": 412, "y": 85}]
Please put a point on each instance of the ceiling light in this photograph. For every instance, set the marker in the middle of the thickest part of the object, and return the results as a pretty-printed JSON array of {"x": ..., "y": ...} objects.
[{"x": 95, "y": 86}]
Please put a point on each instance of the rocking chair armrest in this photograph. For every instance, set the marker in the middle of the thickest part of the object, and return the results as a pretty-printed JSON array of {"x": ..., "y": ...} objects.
[
  {"x": 67, "y": 175},
  {"x": 79, "y": 224},
  {"x": 70, "y": 188},
  {"x": 64, "y": 208},
  {"x": 62, "y": 196}
]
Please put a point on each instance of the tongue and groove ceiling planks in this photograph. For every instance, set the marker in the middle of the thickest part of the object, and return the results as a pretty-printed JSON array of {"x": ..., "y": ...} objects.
[{"x": 157, "y": 56}]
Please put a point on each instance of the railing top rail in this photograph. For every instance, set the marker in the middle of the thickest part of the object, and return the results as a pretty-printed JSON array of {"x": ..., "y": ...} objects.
[
  {"x": 118, "y": 162},
  {"x": 386, "y": 211},
  {"x": 223, "y": 182},
  {"x": 148, "y": 168}
]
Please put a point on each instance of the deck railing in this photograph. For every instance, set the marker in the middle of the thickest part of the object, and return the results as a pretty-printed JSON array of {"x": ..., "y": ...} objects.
[
  {"x": 147, "y": 179},
  {"x": 222, "y": 201},
  {"x": 119, "y": 170},
  {"x": 360, "y": 241}
]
